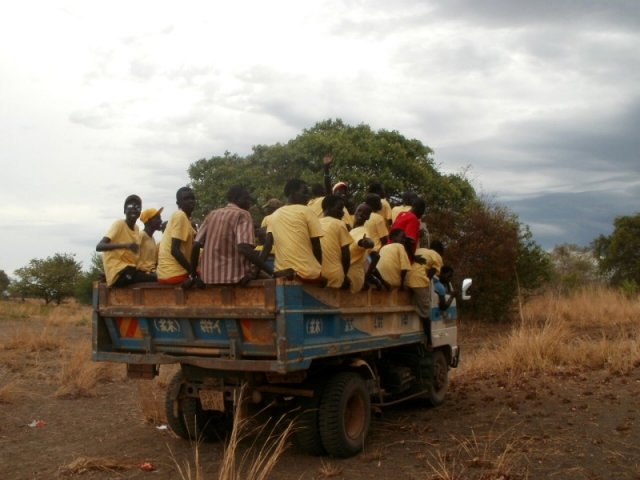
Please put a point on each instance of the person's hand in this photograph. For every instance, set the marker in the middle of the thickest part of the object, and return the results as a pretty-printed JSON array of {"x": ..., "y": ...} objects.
[
  {"x": 244, "y": 281},
  {"x": 327, "y": 160},
  {"x": 134, "y": 247},
  {"x": 420, "y": 259}
]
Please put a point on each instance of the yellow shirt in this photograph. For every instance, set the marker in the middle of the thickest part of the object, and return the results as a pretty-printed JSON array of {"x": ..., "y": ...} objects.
[
  {"x": 393, "y": 259},
  {"x": 335, "y": 237},
  {"x": 386, "y": 210},
  {"x": 115, "y": 260},
  {"x": 358, "y": 259},
  {"x": 293, "y": 227},
  {"x": 148, "y": 256},
  {"x": 315, "y": 204},
  {"x": 395, "y": 211},
  {"x": 432, "y": 257},
  {"x": 179, "y": 227},
  {"x": 417, "y": 275},
  {"x": 377, "y": 229}
]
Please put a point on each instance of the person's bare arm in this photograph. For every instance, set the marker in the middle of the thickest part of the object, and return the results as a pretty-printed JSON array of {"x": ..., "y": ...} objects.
[
  {"x": 105, "y": 245},
  {"x": 253, "y": 256},
  {"x": 327, "y": 160},
  {"x": 317, "y": 249},
  {"x": 178, "y": 255}
]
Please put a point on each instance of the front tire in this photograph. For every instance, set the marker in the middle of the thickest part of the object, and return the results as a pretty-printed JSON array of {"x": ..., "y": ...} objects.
[
  {"x": 440, "y": 381},
  {"x": 345, "y": 414}
]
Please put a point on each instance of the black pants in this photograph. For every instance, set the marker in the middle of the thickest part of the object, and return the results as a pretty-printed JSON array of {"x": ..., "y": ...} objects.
[{"x": 129, "y": 275}]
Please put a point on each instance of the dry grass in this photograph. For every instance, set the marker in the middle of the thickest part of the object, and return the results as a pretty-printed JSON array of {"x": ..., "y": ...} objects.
[
  {"x": 239, "y": 462},
  {"x": 93, "y": 464},
  {"x": 492, "y": 457},
  {"x": 10, "y": 390},
  {"x": 16, "y": 309},
  {"x": 34, "y": 339},
  {"x": 590, "y": 329},
  {"x": 79, "y": 376}
]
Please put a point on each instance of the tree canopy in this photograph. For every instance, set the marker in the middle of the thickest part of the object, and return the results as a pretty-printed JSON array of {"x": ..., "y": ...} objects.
[
  {"x": 483, "y": 241},
  {"x": 619, "y": 253},
  {"x": 52, "y": 279},
  {"x": 4, "y": 281}
]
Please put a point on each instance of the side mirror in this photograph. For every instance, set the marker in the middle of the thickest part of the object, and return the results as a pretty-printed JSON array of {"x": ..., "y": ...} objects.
[{"x": 466, "y": 285}]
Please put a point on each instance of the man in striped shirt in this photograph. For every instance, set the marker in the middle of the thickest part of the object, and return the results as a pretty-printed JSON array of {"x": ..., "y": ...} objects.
[{"x": 228, "y": 239}]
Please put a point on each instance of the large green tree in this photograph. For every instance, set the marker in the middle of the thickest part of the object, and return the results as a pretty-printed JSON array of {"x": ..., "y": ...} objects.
[
  {"x": 485, "y": 242},
  {"x": 52, "y": 279},
  {"x": 619, "y": 253},
  {"x": 362, "y": 155}
]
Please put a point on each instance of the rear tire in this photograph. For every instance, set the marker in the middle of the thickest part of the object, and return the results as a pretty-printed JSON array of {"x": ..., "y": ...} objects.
[
  {"x": 188, "y": 420},
  {"x": 307, "y": 433},
  {"x": 345, "y": 414},
  {"x": 180, "y": 410}
]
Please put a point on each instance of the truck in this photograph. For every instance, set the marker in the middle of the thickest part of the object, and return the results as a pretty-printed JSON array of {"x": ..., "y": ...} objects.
[{"x": 330, "y": 354}]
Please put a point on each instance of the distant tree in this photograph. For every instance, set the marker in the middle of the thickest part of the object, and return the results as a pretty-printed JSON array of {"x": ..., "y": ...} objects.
[
  {"x": 574, "y": 266},
  {"x": 619, "y": 253},
  {"x": 52, "y": 279},
  {"x": 84, "y": 287},
  {"x": 4, "y": 282}
]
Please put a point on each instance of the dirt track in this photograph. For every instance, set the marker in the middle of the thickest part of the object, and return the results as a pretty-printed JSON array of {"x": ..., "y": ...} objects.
[{"x": 568, "y": 425}]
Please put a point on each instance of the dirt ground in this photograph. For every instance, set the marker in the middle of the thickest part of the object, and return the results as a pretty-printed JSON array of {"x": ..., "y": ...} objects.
[{"x": 564, "y": 425}]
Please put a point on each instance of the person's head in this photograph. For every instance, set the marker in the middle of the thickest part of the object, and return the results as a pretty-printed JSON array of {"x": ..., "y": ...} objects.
[
  {"x": 408, "y": 197},
  {"x": 317, "y": 190},
  {"x": 297, "y": 191},
  {"x": 377, "y": 188},
  {"x": 132, "y": 207},
  {"x": 333, "y": 206},
  {"x": 186, "y": 200},
  {"x": 342, "y": 189},
  {"x": 397, "y": 235},
  {"x": 152, "y": 218},
  {"x": 446, "y": 273},
  {"x": 418, "y": 207},
  {"x": 362, "y": 214},
  {"x": 240, "y": 196},
  {"x": 373, "y": 200},
  {"x": 271, "y": 206},
  {"x": 437, "y": 246}
]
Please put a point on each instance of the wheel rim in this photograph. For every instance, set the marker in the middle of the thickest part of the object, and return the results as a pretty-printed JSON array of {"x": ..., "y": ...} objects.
[{"x": 354, "y": 417}]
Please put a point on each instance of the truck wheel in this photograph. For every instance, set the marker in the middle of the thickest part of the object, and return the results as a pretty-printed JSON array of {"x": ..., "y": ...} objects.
[
  {"x": 440, "y": 381},
  {"x": 180, "y": 410},
  {"x": 307, "y": 432},
  {"x": 344, "y": 415},
  {"x": 188, "y": 420}
]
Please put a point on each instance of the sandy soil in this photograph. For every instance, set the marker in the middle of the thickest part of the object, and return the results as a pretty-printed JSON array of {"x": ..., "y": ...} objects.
[{"x": 565, "y": 425}]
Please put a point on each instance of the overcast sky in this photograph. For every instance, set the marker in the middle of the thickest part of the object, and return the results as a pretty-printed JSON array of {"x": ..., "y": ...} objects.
[{"x": 538, "y": 101}]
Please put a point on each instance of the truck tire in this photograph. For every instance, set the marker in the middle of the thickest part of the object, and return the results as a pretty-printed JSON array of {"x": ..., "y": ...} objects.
[
  {"x": 344, "y": 415},
  {"x": 180, "y": 410},
  {"x": 440, "y": 380},
  {"x": 188, "y": 420},
  {"x": 307, "y": 431}
]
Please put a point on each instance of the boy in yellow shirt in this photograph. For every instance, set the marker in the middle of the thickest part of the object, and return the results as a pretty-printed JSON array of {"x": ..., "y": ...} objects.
[
  {"x": 335, "y": 242},
  {"x": 120, "y": 247},
  {"x": 174, "y": 255},
  {"x": 360, "y": 247},
  {"x": 394, "y": 261},
  {"x": 294, "y": 233},
  {"x": 148, "y": 258}
]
